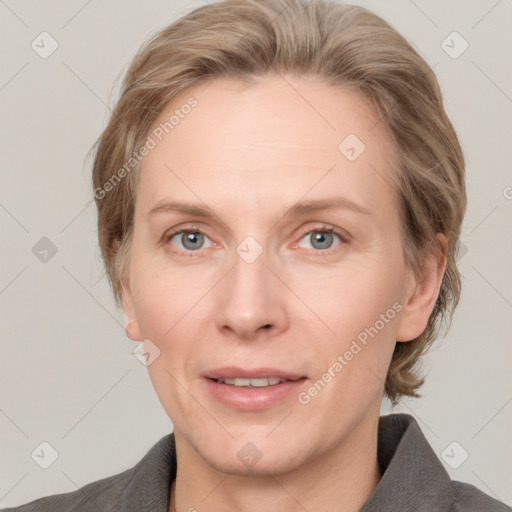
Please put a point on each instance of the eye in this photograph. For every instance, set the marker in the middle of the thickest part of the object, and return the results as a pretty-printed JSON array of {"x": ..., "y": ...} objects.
[
  {"x": 322, "y": 239},
  {"x": 188, "y": 240}
]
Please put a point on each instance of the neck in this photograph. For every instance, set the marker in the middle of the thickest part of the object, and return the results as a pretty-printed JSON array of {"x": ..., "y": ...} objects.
[{"x": 341, "y": 479}]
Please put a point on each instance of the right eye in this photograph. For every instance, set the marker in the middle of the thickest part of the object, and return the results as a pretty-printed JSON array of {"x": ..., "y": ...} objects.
[{"x": 187, "y": 240}]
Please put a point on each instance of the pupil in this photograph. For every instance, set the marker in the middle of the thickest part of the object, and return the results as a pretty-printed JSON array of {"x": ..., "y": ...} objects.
[
  {"x": 324, "y": 240},
  {"x": 192, "y": 239}
]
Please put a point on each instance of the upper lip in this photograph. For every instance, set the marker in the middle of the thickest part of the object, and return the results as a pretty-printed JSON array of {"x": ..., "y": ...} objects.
[{"x": 232, "y": 372}]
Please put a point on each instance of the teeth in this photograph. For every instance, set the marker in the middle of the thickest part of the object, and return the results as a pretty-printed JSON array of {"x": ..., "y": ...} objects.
[{"x": 253, "y": 383}]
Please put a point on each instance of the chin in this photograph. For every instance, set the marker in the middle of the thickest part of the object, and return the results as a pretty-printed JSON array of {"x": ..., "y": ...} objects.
[
  {"x": 253, "y": 453},
  {"x": 265, "y": 462}
]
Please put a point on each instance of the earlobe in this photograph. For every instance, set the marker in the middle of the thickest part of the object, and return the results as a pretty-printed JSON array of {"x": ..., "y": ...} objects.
[
  {"x": 132, "y": 328},
  {"x": 420, "y": 301}
]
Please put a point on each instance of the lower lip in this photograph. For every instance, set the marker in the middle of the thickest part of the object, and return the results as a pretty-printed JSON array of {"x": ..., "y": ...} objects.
[{"x": 253, "y": 399}]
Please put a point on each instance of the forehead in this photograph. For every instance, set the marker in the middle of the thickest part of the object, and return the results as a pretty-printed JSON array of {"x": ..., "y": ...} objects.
[{"x": 279, "y": 137}]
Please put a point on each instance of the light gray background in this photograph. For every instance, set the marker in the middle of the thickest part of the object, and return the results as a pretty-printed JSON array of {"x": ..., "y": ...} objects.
[{"x": 67, "y": 375}]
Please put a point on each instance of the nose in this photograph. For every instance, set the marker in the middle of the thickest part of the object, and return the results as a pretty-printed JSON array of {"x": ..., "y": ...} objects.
[{"x": 251, "y": 301}]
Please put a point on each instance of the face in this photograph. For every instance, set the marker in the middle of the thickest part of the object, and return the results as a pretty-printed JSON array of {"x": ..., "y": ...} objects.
[{"x": 282, "y": 259}]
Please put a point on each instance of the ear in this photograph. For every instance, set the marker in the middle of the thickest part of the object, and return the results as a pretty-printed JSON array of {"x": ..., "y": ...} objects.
[
  {"x": 132, "y": 328},
  {"x": 423, "y": 290}
]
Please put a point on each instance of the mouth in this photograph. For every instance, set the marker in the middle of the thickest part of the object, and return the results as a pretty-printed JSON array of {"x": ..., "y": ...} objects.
[
  {"x": 252, "y": 390},
  {"x": 232, "y": 373},
  {"x": 252, "y": 383}
]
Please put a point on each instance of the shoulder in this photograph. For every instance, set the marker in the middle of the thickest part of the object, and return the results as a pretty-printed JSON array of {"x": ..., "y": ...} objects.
[
  {"x": 97, "y": 495},
  {"x": 414, "y": 478},
  {"x": 144, "y": 487},
  {"x": 470, "y": 499}
]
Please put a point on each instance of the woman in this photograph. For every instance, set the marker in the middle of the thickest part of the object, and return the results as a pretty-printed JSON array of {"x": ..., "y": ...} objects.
[{"x": 280, "y": 194}]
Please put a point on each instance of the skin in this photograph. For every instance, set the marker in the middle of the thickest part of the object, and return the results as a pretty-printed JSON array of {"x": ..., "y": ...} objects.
[{"x": 249, "y": 152}]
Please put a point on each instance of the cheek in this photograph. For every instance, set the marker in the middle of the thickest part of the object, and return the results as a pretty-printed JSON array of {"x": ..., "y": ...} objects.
[
  {"x": 173, "y": 311},
  {"x": 360, "y": 306},
  {"x": 164, "y": 297},
  {"x": 352, "y": 363},
  {"x": 349, "y": 298},
  {"x": 168, "y": 312}
]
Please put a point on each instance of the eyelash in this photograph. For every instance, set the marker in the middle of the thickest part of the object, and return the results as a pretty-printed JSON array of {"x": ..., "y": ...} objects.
[{"x": 316, "y": 253}]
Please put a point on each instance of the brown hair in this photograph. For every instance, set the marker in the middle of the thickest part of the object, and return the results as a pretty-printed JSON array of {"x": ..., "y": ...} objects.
[{"x": 341, "y": 44}]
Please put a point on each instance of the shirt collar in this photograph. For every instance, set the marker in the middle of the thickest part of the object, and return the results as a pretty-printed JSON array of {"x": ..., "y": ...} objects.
[{"x": 413, "y": 477}]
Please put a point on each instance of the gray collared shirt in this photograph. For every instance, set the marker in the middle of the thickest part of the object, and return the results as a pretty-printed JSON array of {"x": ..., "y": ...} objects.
[{"x": 413, "y": 479}]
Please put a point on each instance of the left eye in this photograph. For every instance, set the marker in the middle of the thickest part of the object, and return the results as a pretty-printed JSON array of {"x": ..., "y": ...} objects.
[{"x": 322, "y": 239}]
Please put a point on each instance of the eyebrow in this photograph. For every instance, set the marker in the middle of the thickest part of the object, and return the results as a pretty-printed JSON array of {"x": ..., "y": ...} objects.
[{"x": 300, "y": 208}]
